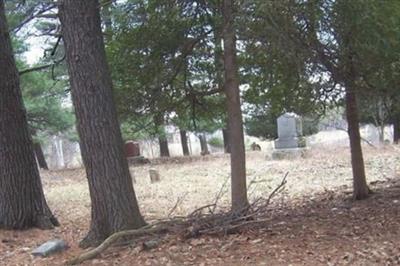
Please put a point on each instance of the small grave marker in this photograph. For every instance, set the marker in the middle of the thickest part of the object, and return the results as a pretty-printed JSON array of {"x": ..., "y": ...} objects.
[
  {"x": 154, "y": 175},
  {"x": 50, "y": 247}
]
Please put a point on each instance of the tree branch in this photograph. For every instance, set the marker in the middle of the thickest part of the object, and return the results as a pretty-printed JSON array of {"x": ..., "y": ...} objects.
[
  {"x": 42, "y": 67},
  {"x": 32, "y": 16}
]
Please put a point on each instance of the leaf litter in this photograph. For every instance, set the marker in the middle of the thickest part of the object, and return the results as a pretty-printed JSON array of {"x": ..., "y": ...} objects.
[{"x": 312, "y": 222}]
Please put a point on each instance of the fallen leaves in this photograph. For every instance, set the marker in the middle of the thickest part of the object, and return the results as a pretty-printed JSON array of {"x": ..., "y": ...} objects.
[{"x": 314, "y": 223}]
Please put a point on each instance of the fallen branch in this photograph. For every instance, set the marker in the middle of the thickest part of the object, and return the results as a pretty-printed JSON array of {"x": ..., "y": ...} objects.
[
  {"x": 149, "y": 229},
  {"x": 277, "y": 189},
  {"x": 178, "y": 201},
  {"x": 195, "y": 224},
  {"x": 198, "y": 210},
  {"x": 220, "y": 194}
]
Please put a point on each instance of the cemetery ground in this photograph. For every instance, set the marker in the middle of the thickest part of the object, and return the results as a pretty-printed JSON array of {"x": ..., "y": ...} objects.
[{"x": 313, "y": 221}]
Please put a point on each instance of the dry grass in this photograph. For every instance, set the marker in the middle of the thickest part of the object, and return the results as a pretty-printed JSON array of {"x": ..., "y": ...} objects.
[{"x": 196, "y": 183}]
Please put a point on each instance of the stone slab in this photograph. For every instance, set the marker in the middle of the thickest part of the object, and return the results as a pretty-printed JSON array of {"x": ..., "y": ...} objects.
[
  {"x": 50, "y": 247},
  {"x": 137, "y": 160},
  {"x": 297, "y": 142},
  {"x": 295, "y": 153}
]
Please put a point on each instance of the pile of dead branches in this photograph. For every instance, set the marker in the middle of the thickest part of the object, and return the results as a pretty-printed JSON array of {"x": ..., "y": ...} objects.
[
  {"x": 203, "y": 221},
  {"x": 211, "y": 223}
]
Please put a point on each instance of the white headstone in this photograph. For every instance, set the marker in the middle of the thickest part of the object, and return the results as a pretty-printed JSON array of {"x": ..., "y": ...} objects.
[
  {"x": 290, "y": 132},
  {"x": 289, "y": 126}
]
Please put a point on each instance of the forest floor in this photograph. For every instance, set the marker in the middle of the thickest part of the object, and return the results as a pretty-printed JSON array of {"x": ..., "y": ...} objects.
[{"x": 312, "y": 222}]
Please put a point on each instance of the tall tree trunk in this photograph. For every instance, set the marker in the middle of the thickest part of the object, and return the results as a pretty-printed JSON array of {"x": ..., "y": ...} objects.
[
  {"x": 382, "y": 133},
  {"x": 164, "y": 150},
  {"x": 22, "y": 202},
  {"x": 40, "y": 156},
  {"x": 203, "y": 144},
  {"x": 236, "y": 136},
  {"x": 225, "y": 136},
  {"x": 218, "y": 55},
  {"x": 360, "y": 187},
  {"x": 114, "y": 204},
  {"x": 396, "y": 129},
  {"x": 381, "y": 119},
  {"x": 184, "y": 142},
  {"x": 219, "y": 72},
  {"x": 162, "y": 138}
]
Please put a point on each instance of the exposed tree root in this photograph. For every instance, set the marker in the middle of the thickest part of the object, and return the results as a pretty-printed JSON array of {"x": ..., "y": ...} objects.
[
  {"x": 148, "y": 229},
  {"x": 46, "y": 222}
]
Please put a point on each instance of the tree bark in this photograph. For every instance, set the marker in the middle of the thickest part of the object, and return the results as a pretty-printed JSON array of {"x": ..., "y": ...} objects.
[
  {"x": 162, "y": 139},
  {"x": 218, "y": 55},
  {"x": 22, "y": 202},
  {"x": 114, "y": 204},
  {"x": 381, "y": 119},
  {"x": 225, "y": 136},
  {"x": 164, "y": 150},
  {"x": 40, "y": 156},
  {"x": 396, "y": 129},
  {"x": 219, "y": 74},
  {"x": 235, "y": 121},
  {"x": 203, "y": 144},
  {"x": 360, "y": 187},
  {"x": 382, "y": 133},
  {"x": 184, "y": 142}
]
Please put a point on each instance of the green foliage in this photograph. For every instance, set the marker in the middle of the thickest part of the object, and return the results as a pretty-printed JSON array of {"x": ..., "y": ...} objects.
[
  {"x": 165, "y": 58},
  {"x": 44, "y": 92},
  {"x": 310, "y": 125},
  {"x": 381, "y": 49},
  {"x": 301, "y": 54},
  {"x": 161, "y": 58},
  {"x": 44, "y": 100},
  {"x": 216, "y": 142},
  {"x": 278, "y": 73},
  {"x": 261, "y": 125},
  {"x": 264, "y": 126},
  {"x": 134, "y": 129}
]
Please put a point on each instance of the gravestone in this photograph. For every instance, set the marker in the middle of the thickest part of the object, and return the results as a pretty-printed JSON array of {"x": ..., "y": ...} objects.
[
  {"x": 290, "y": 142},
  {"x": 154, "y": 175},
  {"x": 132, "y": 149},
  {"x": 50, "y": 247}
]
